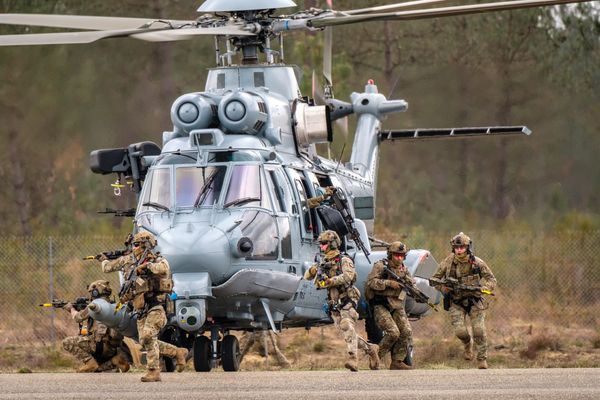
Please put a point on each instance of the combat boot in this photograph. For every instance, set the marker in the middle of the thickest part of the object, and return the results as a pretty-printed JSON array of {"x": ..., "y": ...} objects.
[
  {"x": 373, "y": 356},
  {"x": 180, "y": 356},
  {"x": 90, "y": 365},
  {"x": 352, "y": 363},
  {"x": 153, "y": 375},
  {"x": 482, "y": 364},
  {"x": 469, "y": 351},
  {"x": 120, "y": 362},
  {"x": 399, "y": 365}
]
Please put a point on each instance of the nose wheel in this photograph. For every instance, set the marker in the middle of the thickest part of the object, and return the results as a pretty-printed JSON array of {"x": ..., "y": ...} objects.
[{"x": 208, "y": 353}]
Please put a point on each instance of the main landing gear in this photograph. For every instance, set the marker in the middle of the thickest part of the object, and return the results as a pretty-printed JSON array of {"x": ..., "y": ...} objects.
[{"x": 209, "y": 351}]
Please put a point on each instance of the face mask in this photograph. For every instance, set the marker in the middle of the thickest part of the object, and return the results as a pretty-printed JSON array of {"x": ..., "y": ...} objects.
[{"x": 462, "y": 257}]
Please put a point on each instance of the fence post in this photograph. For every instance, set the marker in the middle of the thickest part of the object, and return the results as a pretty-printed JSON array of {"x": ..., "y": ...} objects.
[{"x": 51, "y": 288}]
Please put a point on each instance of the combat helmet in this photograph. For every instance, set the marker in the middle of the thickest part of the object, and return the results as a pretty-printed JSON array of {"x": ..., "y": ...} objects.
[
  {"x": 99, "y": 288},
  {"x": 331, "y": 238},
  {"x": 460, "y": 240},
  {"x": 145, "y": 238},
  {"x": 397, "y": 247}
]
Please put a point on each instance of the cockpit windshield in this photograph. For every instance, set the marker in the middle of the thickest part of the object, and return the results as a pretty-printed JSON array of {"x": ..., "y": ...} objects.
[{"x": 202, "y": 186}]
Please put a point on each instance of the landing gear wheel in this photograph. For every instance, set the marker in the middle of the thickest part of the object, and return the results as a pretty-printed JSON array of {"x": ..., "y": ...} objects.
[
  {"x": 169, "y": 336},
  {"x": 202, "y": 354},
  {"x": 231, "y": 355}
]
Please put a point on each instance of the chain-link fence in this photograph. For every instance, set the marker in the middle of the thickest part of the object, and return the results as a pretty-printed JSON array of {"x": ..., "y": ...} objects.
[{"x": 543, "y": 279}]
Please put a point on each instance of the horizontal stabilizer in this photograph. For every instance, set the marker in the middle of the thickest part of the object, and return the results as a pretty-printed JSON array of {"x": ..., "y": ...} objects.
[{"x": 441, "y": 133}]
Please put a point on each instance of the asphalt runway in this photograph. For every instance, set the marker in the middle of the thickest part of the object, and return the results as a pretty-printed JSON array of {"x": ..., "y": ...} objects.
[{"x": 462, "y": 384}]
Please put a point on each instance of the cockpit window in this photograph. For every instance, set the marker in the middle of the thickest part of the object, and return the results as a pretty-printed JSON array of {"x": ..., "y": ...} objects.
[
  {"x": 210, "y": 183},
  {"x": 245, "y": 187},
  {"x": 157, "y": 190},
  {"x": 189, "y": 182}
]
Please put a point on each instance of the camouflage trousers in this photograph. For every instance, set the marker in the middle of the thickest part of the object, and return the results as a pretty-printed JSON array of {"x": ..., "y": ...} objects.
[
  {"x": 249, "y": 338},
  {"x": 345, "y": 320},
  {"x": 458, "y": 316},
  {"x": 148, "y": 329},
  {"x": 84, "y": 347},
  {"x": 397, "y": 331}
]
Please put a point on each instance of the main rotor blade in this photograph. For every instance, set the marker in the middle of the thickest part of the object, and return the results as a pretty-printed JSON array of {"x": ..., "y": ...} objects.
[
  {"x": 168, "y": 35},
  {"x": 164, "y": 34},
  {"x": 390, "y": 7},
  {"x": 436, "y": 12},
  {"x": 64, "y": 37},
  {"x": 81, "y": 21}
]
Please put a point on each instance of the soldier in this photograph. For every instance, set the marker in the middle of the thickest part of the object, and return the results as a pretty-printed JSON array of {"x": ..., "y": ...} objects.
[
  {"x": 387, "y": 298},
  {"x": 148, "y": 286},
  {"x": 96, "y": 346},
  {"x": 467, "y": 269},
  {"x": 336, "y": 273},
  {"x": 248, "y": 339}
]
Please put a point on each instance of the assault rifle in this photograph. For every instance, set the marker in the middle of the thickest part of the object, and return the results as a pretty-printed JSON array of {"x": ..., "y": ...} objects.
[
  {"x": 341, "y": 204},
  {"x": 79, "y": 304},
  {"x": 129, "y": 283},
  {"x": 454, "y": 286},
  {"x": 408, "y": 287},
  {"x": 113, "y": 255}
]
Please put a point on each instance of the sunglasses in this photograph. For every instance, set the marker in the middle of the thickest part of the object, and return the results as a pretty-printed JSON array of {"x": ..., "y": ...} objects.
[
  {"x": 136, "y": 244},
  {"x": 322, "y": 243}
]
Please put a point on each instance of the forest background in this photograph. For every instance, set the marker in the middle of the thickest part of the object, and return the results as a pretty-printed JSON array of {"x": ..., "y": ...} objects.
[{"x": 535, "y": 67}]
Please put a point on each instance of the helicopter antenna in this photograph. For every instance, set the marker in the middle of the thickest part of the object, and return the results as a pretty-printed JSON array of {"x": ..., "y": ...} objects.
[{"x": 341, "y": 155}]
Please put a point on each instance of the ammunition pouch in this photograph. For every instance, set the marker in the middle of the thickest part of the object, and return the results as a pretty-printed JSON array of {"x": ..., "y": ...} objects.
[
  {"x": 447, "y": 301},
  {"x": 169, "y": 307},
  {"x": 139, "y": 301}
]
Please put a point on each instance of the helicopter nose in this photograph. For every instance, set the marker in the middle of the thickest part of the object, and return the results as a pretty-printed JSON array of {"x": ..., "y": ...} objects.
[{"x": 196, "y": 248}]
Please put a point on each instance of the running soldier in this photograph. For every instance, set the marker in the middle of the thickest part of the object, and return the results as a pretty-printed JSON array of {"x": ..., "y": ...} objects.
[
  {"x": 248, "y": 340},
  {"x": 336, "y": 273},
  {"x": 387, "y": 299},
  {"x": 463, "y": 279},
  {"x": 148, "y": 284}
]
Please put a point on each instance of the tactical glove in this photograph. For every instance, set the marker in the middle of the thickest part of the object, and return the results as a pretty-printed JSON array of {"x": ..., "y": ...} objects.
[
  {"x": 393, "y": 284},
  {"x": 140, "y": 270},
  {"x": 313, "y": 270}
]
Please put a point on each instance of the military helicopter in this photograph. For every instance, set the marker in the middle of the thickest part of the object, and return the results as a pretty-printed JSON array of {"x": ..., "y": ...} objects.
[{"x": 227, "y": 193}]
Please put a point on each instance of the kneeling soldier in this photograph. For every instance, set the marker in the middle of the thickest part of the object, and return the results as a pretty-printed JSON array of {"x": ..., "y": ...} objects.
[{"x": 96, "y": 343}]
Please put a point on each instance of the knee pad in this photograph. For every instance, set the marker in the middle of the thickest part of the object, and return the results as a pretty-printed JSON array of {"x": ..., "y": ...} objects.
[
  {"x": 345, "y": 324},
  {"x": 478, "y": 332},
  {"x": 462, "y": 334}
]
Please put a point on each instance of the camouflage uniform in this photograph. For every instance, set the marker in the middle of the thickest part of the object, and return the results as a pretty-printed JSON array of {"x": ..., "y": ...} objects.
[
  {"x": 96, "y": 343},
  {"x": 148, "y": 297},
  {"x": 249, "y": 338},
  {"x": 316, "y": 201},
  {"x": 336, "y": 273},
  {"x": 388, "y": 302},
  {"x": 468, "y": 270}
]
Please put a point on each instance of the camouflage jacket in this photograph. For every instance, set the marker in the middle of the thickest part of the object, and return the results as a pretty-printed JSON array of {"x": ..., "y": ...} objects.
[
  {"x": 151, "y": 287},
  {"x": 340, "y": 269},
  {"x": 378, "y": 281},
  {"x": 467, "y": 273}
]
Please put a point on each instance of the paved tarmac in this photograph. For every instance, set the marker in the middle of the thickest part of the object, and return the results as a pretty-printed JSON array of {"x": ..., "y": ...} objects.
[{"x": 547, "y": 384}]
